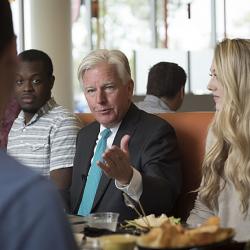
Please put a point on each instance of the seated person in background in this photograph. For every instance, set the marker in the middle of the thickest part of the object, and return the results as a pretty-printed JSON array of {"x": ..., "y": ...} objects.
[
  {"x": 30, "y": 209},
  {"x": 165, "y": 88},
  {"x": 141, "y": 157},
  {"x": 10, "y": 114},
  {"x": 225, "y": 186},
  {"x": 44, "y": 134}
]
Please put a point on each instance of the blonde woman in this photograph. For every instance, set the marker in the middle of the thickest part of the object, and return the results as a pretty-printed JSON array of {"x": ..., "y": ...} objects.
[{"x": 225, "y": 187}]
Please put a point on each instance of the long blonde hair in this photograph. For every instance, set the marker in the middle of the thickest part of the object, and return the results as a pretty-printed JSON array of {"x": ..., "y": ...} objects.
[{"x": 228, "y": 160}]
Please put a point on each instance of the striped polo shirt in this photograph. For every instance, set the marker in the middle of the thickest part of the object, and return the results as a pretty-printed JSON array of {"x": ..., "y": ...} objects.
[{"x": 48, "y": 141}]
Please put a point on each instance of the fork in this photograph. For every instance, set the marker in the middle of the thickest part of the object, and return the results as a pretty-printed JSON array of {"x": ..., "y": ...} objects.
[{"x": 129, "y": 202}]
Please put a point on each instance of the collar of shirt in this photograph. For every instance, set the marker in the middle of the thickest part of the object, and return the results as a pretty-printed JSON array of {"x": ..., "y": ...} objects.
[
  {"x": 111, "y": 138},
  {"x": 156, "y": 100},
  {"x": 43, "y": 110}
]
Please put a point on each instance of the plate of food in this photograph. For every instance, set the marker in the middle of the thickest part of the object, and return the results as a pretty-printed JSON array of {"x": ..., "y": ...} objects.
[
  {"x": 145, "y": 223},
  {"x": 176, "y": 237}
]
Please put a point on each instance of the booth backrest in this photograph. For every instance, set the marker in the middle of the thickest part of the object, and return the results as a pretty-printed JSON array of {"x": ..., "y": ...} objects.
[{"x": 191, "y": 130}]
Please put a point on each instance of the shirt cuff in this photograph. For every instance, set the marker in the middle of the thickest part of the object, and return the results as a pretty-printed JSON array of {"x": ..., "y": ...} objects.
[{"x": 134, "y": 188}]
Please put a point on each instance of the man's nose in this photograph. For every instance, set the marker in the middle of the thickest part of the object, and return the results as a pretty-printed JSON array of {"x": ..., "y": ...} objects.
[
  {"x": 100, "y": 96},
  {"x": 28, "y": 86}
]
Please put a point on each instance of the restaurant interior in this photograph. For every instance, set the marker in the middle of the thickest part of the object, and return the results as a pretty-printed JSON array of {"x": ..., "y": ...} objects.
[{"x": 181, "y": 31}]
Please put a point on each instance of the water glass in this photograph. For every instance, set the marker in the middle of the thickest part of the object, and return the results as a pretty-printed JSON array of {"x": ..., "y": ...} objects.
[{"x": 105, "y": 220}]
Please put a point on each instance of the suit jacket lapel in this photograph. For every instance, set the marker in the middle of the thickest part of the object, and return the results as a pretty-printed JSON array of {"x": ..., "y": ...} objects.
[
  {"x": 84, "y": 152},
  {"x": 128, "y": 126},
  {"x": 88, "y": 150}
]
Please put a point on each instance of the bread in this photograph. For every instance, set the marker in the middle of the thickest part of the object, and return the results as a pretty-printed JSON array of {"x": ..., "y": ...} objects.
[{"x": 173, "y": 236}]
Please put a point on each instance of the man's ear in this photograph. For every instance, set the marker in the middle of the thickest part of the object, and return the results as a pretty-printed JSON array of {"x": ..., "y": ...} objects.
[
  {"x": 182, "y": 92},
  {"x": 131, "y": 87},
  {"x": 52, "y": 80}
]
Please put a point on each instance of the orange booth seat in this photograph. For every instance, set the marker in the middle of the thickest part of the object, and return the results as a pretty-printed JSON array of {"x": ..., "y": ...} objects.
[{"x": 191, "y": 130}]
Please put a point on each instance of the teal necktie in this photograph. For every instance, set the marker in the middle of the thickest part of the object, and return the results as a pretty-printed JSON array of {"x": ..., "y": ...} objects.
[{"x": 94, "y": 175}]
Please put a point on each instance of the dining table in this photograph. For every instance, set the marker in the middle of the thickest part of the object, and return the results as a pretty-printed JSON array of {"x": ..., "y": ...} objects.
[{"x": 78, "y": 226}]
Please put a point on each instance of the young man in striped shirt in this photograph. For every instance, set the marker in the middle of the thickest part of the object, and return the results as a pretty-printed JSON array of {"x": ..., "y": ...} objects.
[{"x": 43, "y": 135}]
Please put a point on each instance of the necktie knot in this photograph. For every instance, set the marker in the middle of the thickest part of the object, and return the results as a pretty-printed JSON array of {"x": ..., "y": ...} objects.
[{"x": 105, "y": 133}]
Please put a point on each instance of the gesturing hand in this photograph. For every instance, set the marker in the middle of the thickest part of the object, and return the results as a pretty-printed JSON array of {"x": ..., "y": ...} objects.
[{"x": 117, "y": 163}]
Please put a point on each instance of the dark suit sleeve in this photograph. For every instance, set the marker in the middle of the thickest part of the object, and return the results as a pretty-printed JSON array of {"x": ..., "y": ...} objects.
[{"x": 160, "y": 169}]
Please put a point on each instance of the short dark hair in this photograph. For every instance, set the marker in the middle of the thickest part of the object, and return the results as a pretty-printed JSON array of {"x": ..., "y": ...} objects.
[
  {"x": 165, "y": 79},
  {"x": 6, "y": 25},
  {"x": 34, "y": 55}
]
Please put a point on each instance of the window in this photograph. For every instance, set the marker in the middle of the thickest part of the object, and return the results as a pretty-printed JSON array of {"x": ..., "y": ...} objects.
[
  {"x": 233, "y": 19},
  {"x": 185, "y": 32},
  {"x": 16, "y": 7}
]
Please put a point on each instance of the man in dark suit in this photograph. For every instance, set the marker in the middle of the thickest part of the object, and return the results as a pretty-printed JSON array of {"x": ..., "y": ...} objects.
[{"x": 141, "y": 157}]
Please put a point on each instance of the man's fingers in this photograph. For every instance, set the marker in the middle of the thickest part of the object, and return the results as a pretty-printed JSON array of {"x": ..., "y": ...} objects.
[{"x": 124, "y": 143}]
